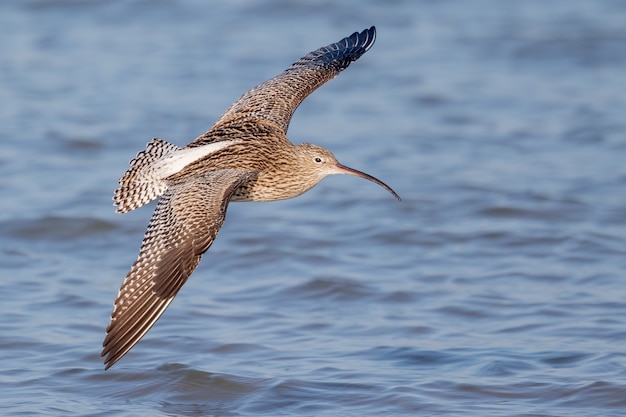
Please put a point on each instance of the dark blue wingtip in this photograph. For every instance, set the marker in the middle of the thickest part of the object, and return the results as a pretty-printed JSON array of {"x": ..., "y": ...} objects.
[
  {"x": 340, "y": 54},
  {"x": 370, "y": 37},
  {"x": 364, "y": 39}
]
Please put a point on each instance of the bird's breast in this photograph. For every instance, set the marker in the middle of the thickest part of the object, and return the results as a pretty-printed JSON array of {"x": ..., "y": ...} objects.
[{"x": 269, "y": 187}]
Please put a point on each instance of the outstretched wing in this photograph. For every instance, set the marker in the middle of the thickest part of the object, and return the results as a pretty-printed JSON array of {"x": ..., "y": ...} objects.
[
  {"x": 276, "y": 99},
  {"x": 183, "y": 226}
]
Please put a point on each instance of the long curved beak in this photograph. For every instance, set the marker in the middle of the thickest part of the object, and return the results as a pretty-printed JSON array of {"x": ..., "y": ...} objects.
[{"x": 342, "y": 169}]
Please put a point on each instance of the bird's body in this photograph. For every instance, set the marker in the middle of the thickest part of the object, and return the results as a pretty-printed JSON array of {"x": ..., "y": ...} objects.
[{"x": 245, "y": 156}]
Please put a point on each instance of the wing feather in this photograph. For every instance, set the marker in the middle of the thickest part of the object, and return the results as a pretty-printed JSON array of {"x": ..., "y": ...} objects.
[
  {"x": 184, "y": 225},
  {"x": 277, "y": 99}
]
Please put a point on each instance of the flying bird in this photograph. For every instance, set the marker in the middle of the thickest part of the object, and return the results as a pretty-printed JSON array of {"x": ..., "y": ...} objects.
[{"x": 245, "y": 156}]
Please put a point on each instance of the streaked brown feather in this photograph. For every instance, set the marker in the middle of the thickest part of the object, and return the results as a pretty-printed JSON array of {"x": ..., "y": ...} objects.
[
  {"x": 278, "y": 98},
  {"x": 183, "y": 226}
]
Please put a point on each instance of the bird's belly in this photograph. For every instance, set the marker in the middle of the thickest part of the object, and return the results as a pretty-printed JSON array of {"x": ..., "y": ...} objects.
[{"x": 258, "y": 192}]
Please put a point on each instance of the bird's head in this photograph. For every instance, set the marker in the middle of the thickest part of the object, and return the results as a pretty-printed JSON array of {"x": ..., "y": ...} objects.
[{"x": 317, "y": 162}]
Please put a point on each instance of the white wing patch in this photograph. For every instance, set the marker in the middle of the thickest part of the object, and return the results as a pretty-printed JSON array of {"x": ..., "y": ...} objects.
[
  {"x": 145, "y": 180},
  {"x": 175, "y": 161}
]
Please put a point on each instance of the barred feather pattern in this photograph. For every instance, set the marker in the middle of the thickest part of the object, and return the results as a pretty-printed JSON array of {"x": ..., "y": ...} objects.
[
  {"x": 278, "y": 98},
  {"x": 141, "y": 182},
  {"x": 184, "y": 225}
]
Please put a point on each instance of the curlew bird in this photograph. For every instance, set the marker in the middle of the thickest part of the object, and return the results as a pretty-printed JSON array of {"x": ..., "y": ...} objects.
[{"x": 245, "y": 156}]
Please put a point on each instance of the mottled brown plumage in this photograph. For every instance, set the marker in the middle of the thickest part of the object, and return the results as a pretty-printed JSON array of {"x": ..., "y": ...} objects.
[{"x": 245, "y": 156}]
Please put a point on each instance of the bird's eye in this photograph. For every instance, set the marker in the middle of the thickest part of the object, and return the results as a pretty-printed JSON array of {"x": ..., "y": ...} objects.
[{"x": 318, "y": 159}]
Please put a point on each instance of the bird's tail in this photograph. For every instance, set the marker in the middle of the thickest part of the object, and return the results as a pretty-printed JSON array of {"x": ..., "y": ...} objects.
[{"x": 141, "y": 182}]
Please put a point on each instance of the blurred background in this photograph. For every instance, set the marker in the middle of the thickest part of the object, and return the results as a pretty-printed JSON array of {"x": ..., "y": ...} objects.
[{"x": 496, "y": 287}]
